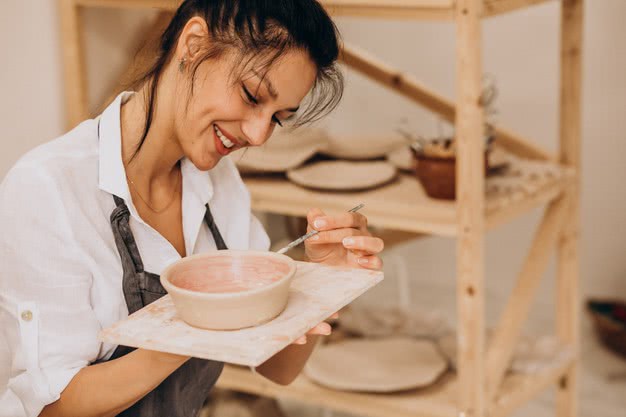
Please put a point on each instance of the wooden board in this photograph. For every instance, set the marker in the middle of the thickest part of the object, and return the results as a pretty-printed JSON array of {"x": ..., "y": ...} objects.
[{"x": 317, "y": 291}]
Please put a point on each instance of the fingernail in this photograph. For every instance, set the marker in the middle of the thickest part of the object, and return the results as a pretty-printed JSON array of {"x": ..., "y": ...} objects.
[
  {"x": 348, "y": 241},
  {"x": 301, "y": 341},
  {"x": 326, "y": 329},
  {"x": 319, "y": 223},
  {"x": 363, "y": 261},
  {"x": 315, "y": 237}
]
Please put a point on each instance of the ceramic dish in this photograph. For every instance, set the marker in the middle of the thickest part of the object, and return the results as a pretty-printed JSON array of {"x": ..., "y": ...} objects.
[
  {"x": 376, "y": 365},
  {"x": 402, "y": 158},
  {"x": 282, "y": 152},
  {"x": 343, "y": 175},
  {"x": 361, "y": 147},
  {"x": 228, "y": 289}
]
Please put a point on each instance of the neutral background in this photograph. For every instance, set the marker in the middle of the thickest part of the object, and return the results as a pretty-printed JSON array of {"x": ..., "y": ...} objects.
[{"x": 520, "y": 50}]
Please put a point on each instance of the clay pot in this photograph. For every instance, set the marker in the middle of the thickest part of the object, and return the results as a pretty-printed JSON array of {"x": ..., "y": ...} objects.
[
  {"x": 229, "y": 289},
  {"x": 438, "y": 175}
]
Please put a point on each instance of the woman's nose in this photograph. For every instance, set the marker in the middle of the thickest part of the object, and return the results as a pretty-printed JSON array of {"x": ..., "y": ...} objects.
[{"x": 257, "y": 129}]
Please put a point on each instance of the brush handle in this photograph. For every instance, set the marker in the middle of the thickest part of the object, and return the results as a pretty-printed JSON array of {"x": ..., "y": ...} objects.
[{"x": 312, "y": 233}]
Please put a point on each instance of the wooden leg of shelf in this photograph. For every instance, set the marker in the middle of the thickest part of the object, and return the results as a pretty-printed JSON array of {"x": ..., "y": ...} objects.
[
  {"x": 510, "y": 325},
  {"x": 470, "y": 210},
  {"x": 141, "y": 61},
  {"x": 567, "y": 301},
  {"x": 76, "y": 103}
]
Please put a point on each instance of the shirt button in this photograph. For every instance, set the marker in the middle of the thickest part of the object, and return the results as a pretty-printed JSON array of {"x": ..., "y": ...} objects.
[{"x": 27, "y": 315}]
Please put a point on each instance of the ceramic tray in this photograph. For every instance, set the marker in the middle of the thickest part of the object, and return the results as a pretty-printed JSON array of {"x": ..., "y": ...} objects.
[
  {"x": 360, "y": 147},
  {"x": 317, "y": 291},
  {"x": 402, "y": 158},
  {"x": 376, "y": 365},
  {"x": 343, "y": 175},
  {"x": 282, "y": 151}
]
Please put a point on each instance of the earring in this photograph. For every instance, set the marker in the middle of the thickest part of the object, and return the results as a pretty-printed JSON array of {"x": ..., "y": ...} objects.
[{"x": 181, "y": 64}]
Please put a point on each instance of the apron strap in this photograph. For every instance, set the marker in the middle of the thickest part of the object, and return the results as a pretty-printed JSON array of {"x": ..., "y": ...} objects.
[{"x": 217, "y": 236}]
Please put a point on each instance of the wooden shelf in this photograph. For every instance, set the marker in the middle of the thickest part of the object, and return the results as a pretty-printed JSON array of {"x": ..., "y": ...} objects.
[
  {"x": 380, "y": 9},
  {"x": 481, "y": 386},
  {"x": 435, "y": 401},
  {"x": 401, "y": 205}
]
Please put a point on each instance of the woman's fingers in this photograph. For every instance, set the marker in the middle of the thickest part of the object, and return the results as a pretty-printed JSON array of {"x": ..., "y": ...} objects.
[
  {"x": 319, "y": 221},
  {"x": 323, "y": 329},
  {"x": 370, "y": 262},
  {"x": 333, "y": 236},
  {"x": 300, "y": 341},
  {"x": 368, "y": 244}
]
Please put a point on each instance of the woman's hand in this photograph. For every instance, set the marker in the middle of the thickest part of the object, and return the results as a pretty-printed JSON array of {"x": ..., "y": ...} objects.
[
  {"x": 323, "y": 329},
  {"x": 343, "y": 241}
]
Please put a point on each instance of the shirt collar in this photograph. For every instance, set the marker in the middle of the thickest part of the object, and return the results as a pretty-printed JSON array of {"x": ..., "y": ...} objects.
[{"x": 112, "y": 175}]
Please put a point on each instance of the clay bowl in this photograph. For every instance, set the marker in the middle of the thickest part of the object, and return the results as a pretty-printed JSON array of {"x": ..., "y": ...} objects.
[
  {"x": 438, "y": 175},
  {"x": 229, "y": 289}
]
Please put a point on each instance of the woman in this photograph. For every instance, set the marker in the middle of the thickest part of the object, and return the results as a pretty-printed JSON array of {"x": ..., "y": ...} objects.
[{"x": 89, "y": 220}]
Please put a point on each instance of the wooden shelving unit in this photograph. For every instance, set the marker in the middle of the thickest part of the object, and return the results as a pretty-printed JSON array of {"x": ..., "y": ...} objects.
[{"x": 481, "y": 386}]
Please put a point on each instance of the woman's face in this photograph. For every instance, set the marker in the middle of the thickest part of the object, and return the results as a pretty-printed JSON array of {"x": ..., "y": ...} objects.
[{"x": 225, "y": 114}]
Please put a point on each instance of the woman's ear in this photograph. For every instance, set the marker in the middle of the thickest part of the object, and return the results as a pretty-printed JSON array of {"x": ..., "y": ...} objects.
[{"x": 192, "y": 39}]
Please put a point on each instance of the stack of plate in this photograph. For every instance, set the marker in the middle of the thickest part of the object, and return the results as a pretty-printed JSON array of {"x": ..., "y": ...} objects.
[{"x": 357, "y": 162}]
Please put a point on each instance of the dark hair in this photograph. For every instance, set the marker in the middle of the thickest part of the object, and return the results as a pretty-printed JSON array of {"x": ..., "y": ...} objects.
[{"x": 260, "y": 32}]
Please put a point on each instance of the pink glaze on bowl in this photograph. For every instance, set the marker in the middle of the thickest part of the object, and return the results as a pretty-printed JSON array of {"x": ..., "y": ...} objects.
[
  {"x": 229, "y": 289},
  {"x": 227, "y": 274}
]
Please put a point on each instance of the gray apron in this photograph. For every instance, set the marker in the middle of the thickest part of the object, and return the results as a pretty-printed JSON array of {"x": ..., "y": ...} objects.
[{"x": 183, "y": 393}]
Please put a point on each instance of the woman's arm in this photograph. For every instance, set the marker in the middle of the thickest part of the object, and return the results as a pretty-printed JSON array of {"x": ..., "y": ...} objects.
[
  {"x": 286, "y": 365},
  {"x": 107, "y": 389}
]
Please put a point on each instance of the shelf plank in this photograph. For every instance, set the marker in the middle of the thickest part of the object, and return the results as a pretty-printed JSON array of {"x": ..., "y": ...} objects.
[
  {"x": 380, "y": 9},
  {"x": 497, "y": 7},
  {"x": 401, "y": 205},
  {"x": 438, "y": 400}
]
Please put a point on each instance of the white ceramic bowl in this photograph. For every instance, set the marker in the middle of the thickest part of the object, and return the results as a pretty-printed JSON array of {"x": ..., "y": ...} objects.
[{"x": 229, "y": 289}]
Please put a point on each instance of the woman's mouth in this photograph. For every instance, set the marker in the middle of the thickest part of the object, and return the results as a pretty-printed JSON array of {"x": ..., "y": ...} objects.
[{"x": 223, "y": 145}]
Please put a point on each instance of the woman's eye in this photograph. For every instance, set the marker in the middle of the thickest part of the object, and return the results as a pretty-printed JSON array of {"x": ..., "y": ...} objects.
[
  {"x": 275, "y": 120},
  {"x": 249, "y": 96}
]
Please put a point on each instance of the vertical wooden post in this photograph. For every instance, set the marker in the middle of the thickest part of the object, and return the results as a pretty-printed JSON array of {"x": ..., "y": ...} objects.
[
  {"x": 567, "y": 295},
  {"x": 76, "y": 103},
  {"x": 470, "y": 209}
]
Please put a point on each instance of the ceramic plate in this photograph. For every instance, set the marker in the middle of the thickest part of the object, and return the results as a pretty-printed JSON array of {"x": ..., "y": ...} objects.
[
  {"x": 343, "y": 175},
  {"x": 359, "y": 147},
  {"x": 282, "y": 151},
  {"x": 402, "y": 158},
  {"x": 376, "y": 365}
]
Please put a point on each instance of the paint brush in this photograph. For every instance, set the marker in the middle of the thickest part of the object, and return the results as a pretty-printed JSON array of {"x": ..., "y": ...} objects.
[{"x": 312, "y": 233}]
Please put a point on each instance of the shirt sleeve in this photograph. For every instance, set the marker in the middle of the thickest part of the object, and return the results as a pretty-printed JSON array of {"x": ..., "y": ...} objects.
[{"x": 46, "y": 316}]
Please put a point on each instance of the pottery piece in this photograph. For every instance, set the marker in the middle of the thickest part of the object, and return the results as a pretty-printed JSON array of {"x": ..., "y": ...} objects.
[
  {"x": 315, "y": 293},
  {"x": 360, "y": 147},
  {"x": 376, "y": 365},
  {"x": 228, "y": 290},
  {"x": 389, "y": 320},
  {"x": 402, "y": 158},
  {"x": 283, "y": 151},
  {"x": 343, "y": 175}
]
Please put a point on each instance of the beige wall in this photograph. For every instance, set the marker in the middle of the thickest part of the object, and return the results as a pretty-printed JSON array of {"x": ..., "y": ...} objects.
[{"x": 520, "y": 49}]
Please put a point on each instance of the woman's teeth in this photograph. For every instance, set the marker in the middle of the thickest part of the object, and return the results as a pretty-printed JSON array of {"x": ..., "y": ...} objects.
[{"x": 225, "y": 141}]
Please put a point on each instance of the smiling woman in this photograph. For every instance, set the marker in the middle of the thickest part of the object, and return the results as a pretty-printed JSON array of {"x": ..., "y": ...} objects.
[{"x": 91, "y": 219}]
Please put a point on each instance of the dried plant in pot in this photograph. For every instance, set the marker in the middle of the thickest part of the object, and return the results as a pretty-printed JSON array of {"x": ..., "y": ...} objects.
[
  {"x": 609, "y": 319},
  {"x": 436, "y": 165}
]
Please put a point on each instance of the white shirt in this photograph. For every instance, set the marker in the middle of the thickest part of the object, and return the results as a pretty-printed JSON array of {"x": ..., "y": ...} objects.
[{"x": 61, "y": 274}]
